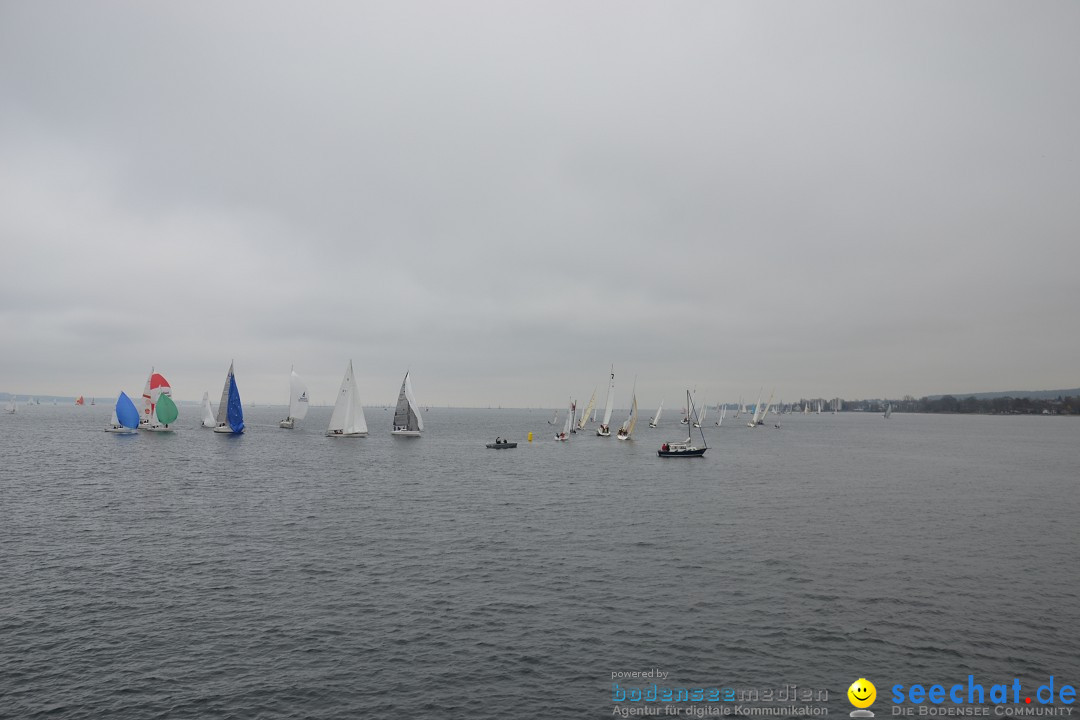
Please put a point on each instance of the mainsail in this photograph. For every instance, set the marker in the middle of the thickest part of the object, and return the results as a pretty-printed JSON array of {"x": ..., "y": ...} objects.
[
  {"x": 406, "y": 415},
  {"x": 348, "y": 415},
  {"x": 298, "y": 397}
]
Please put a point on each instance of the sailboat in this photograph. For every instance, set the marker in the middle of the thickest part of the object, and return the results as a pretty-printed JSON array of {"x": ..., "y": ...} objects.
[
  {"x": 723, "y": 414},
  {"x": 125, "y": 417},
  {"x": 11, "y": 405},
  {"x": 701, "y": 418},
  {"x": 565, "y": 434},
  {"x": 79, "y": 401},
  {"x": 627, "y": 428},
  {"x": 554, "y": 418},
  {"x": 656, "y": 418},
  {"x": 768, "y": 406},
  {"x": 163, "y": 415},
  {"x": 760, "y": 411},
  {"x": 156, "y": 386},
  {"x": 208, "y": 420},
  {"x": 407, "y": 420},
  {"x": 348, "y": 417},
  {"x": 230, "y": 413},
  {"x": 605, "y": 427},
  {"x": 684, "y": 448},
  {"x": 590, "y": 408},
  {"x": 298, "y": 401},
  {"x": 888, "y": 411},
  {"x": 756, "y": 419}
]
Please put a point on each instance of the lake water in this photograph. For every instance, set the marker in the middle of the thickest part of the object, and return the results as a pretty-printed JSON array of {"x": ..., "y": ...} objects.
[{"x": 282, "y": 574}]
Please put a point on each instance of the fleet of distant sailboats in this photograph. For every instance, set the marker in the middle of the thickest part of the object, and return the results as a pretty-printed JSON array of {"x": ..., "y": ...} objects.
[{"x": 159, "y": 412}]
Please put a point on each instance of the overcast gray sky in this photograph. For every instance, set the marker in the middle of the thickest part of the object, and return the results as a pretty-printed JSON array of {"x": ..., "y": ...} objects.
[{"x": 832, "y": 198}]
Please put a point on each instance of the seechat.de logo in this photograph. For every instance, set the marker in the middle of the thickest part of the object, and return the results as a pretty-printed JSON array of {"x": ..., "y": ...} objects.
[{"x": 862, "y": 694}]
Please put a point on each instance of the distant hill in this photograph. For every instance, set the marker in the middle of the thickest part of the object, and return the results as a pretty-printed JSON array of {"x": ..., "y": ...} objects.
[{"x": 1033, "y": 394}]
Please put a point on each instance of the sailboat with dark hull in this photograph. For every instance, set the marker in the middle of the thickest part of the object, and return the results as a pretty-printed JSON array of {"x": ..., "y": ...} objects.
[
  {"x": 407, "y": 420},
  {"x": 685, "y": 448}
]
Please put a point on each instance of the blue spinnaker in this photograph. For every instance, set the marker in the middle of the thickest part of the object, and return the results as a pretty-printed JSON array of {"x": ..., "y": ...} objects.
[
  {"x": 236, "y": 412},
  {"x": 126, "y": 412}
]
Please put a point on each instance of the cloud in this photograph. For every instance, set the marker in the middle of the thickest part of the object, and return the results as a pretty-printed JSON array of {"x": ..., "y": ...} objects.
[{"x": 836, "y": 200}]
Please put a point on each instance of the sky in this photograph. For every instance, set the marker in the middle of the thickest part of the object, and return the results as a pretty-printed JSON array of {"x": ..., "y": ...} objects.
[{"x": 830, "y": 199}]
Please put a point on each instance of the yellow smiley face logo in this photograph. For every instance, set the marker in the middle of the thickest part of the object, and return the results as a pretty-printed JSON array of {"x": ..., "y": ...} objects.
[{"x": 862, "y": 693}]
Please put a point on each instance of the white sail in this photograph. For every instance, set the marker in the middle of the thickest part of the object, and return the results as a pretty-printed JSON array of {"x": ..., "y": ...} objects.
[
  {"x": 627, "y": 428},
  {"x": 11, "y": 406},
  {"x": 605, "y": 424},
  {"x": 656, "y": 418},
  {"x": 407, "y": 420},
  {"x": 208, "y": 420},
  {"x": 768, "y": 404},
  {"x": 568, "y": 426},
  {"x": 701, "y": 418},
  {"x": 588, "y": 409},
  {"x": 757, "y": 412},
  {"x": 230, "y": 413},
  {"x": 888, "y": 410},
  {"x": 347, "y": 419},
  {"x": 298, "y": 397},
  {"x": 144, "y": 418},
  {"x": 222, "y": 418}
]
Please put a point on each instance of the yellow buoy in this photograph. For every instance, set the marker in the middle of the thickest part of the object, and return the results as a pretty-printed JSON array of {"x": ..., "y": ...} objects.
[{"x": 530, "y": 436}]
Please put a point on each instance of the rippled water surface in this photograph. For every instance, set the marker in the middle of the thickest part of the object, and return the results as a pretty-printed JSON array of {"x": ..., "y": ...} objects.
[{"x": 285, "y": 575}]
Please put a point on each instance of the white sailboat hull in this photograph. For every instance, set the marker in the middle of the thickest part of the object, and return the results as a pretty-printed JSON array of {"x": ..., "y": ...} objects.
[
  {"x": 333, "y": 434},
  {"x": 158, "y": 428},
  {"x": 405, "y": 433},
  {"x": 287, "y": 424},
  {"x": 121, "y": 430},
  {"x": 224, "y": 429}
]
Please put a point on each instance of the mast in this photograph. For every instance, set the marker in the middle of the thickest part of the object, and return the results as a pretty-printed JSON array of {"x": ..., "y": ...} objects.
[
  {"x": 610, "y": 399},
  {"x": 690, "y": 406}
]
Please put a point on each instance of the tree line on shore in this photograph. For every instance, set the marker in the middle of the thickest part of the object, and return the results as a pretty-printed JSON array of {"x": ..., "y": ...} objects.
[{"x": 1061, "y": 405}]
